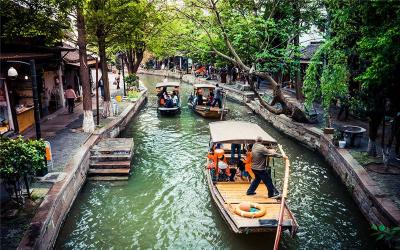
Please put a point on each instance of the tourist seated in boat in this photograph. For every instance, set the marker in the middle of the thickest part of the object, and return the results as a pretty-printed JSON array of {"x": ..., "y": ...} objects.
[
  {"x": 247, "y": 172},
  {"x": 168, "y": 101},
  {"x": 161, "y": 96},
  {"x": 175, "y": 98},
  {"x": 199, "y": 95},
  {"x": 235, "y": 148},
  {"x": 176, "y": 90},
  {"x": 259, "y": 167},
  {"x": 210, "y": 98},
  {"x": 224, "y": 173},
  {"x": 217, "y": 96}
]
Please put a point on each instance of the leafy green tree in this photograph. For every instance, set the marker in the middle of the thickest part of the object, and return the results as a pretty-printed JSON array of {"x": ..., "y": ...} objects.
[
  {"x": 365, "y": 36},
  {"x": 257, "y": 36},
  {"x": 45, "y": 19}
]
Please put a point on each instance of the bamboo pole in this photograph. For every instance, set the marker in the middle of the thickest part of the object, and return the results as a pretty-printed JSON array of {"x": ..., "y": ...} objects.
[{"x": 284, "y": 195}]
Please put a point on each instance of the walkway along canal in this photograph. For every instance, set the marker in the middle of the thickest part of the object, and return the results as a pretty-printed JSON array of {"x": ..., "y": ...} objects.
[{"x": 166, "y": 202}]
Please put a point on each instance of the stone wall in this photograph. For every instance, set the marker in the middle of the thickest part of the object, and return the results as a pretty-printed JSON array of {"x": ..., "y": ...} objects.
[
  {"x": 373, "y": 203},
  {"x": 45, "y": 226}
]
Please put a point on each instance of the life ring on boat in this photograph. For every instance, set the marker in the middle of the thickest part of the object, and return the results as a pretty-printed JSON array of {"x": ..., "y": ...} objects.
[{"x": 243, "y": 209}]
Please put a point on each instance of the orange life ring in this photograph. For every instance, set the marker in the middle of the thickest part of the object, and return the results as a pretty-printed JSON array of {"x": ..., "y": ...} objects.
[{"x": 241, "y": 212}]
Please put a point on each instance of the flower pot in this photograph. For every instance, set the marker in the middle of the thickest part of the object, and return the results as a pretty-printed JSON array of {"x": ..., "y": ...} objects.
[{"x": 342, "y": 144}]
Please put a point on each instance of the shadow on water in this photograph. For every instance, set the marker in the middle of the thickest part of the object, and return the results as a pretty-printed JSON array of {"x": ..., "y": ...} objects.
[{"x": 166, "y": 203}]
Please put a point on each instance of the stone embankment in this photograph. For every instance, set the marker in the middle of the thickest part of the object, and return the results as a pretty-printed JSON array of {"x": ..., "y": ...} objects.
[
  {"x": 46, "y": 224},
  {"x": 376, "y": 206}
]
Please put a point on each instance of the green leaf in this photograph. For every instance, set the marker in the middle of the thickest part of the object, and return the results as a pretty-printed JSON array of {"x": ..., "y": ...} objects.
[{"x": 382, "y": 228}]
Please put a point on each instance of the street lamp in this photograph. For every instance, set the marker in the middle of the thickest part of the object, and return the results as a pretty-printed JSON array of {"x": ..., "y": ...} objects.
[{"x": 13, "y": 74}]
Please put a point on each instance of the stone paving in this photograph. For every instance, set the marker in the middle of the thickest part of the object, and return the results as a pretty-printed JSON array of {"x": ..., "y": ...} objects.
[{"x": 64, "y": 130}]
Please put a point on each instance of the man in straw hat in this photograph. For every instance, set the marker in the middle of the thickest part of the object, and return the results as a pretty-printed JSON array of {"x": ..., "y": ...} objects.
[{"x": 258, "y": 165}]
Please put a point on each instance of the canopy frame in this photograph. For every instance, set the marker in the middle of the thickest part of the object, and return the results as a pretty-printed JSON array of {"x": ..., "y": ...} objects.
[{"x": 238, "y": 132}]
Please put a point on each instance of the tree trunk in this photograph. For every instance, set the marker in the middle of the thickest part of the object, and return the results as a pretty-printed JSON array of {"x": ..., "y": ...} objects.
[
  {"x": 88, "y": 121},
  {"x": 139, "y": 57},
  {"x": 289, "y": 109},
  {"x": 101, "y": 39},
  {"x": 130, "y": 54}
]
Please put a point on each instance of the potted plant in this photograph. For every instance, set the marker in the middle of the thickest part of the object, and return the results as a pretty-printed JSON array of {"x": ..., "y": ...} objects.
[
  {"x": 132, "y": 82},
  {"x": 19, "y": 159}
]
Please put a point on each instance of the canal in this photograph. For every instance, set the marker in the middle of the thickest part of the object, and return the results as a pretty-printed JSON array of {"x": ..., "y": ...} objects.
[{"x": 166, "y": 203}]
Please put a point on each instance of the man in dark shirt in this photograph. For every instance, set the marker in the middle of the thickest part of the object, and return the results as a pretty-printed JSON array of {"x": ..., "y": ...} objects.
[{"x": 258, "y": 165}]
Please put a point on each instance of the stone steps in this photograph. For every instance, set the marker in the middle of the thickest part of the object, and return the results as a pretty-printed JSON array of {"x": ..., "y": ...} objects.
[
  {"x": 112, "y": 171},
  {"x": 110, "y": 159},
  {"x": 110, "y": 164}
]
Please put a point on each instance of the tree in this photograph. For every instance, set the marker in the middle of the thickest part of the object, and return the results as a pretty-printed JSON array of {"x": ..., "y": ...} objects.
[
  {"x": 257, "y": 36},
  {"x": 363, "y": 45},
  {"x": 140, "y": 26},
  {"x": 88, "y": 121},
  {"x": 100, "y": 21},
  {"x": 31, "y": 19}
]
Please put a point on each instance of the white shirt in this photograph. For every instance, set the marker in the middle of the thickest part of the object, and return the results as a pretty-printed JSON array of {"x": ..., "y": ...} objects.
[{"x": 175, "y": 100}]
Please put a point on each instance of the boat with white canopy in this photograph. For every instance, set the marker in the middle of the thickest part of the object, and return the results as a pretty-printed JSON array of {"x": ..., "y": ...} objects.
[
  {"x": 168, "y": 101},
  {"x": 246, "y": 213},
  {"x": 201, "y": 99}
]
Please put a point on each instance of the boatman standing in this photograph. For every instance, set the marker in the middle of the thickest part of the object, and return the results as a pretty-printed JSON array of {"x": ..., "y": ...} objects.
[{"x": 259, "y": 167}]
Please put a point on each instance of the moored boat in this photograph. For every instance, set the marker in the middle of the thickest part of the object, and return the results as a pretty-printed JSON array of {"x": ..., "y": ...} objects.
[
  {"x": 263, "y": 214},
  {"x": 168, "y": 101},
  {"x": 201, "y": 100}
]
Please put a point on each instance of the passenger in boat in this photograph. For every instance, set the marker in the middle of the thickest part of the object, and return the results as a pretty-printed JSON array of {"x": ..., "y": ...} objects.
[
  {"x": 161, "y": 96},
  {"x": 217, "y": 96},
  {"x": 259, "y": 168},
  {"x": 235, "y": 148},
  {"x": 168, "y": 101},
  {"x": 210, "y": 98},
  {"x": 246, "y": 172},
  {"x": 199, "y": 97},
  {"x": 175, "y": 98},
  {"x": 223, "y": 169},
  {"x": 176, "y": 90}
]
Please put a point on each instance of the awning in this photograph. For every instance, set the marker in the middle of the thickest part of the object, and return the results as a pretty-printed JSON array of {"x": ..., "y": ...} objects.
[
  {"x": 167, "y": 84},
  {"x": 24, "y": 56},
  {"x": 203, "y": 85},
  {"x": 238, "y": 132}
]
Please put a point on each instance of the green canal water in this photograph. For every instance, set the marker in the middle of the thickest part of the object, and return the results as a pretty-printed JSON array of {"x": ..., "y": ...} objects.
[{"x": 166, "y": 203}]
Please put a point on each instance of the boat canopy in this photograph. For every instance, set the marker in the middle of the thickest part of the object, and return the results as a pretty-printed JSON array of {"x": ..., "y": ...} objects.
[
  {"x": 203, "y": 85},
  {"x": 167, "y": 84},
  {"x": 238, "y": 132}
]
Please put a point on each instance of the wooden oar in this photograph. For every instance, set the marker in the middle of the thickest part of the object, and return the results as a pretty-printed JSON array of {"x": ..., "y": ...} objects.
[{"x": 284, "y": 195}]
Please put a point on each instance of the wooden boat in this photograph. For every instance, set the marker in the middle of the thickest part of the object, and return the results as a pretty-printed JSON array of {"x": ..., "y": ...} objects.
[
  {"x": 228, "y": 195},
  {"x": 162, "y": 105},
  {"x": 204, "y": 109}
]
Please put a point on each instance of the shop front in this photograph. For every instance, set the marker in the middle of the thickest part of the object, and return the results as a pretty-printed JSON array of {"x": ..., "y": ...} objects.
[{"x": 16, "y": 93}]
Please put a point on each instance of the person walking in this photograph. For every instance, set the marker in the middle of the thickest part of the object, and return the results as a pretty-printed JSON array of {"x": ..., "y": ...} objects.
[
  {"x": 70, "y": 96},
  {"x": 117, "y": 79},
  {"x": 258, "y": 166}
]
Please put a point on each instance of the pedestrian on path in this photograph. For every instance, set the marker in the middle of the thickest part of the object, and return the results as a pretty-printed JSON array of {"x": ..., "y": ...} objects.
[{"x": 70, "y": 96}]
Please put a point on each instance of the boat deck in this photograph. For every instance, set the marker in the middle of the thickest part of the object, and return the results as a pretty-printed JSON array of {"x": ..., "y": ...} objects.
[{"x": 228, "y": 195}]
